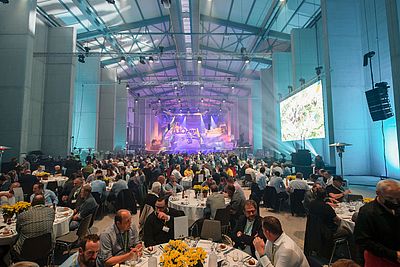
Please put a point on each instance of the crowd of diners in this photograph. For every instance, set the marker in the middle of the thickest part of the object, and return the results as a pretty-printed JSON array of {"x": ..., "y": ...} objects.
[{"x": 152, "y": 178}]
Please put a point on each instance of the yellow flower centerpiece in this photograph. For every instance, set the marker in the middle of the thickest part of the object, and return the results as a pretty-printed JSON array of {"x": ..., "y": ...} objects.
[
  {"x": 17, "y": 208},
  {"x": 205, "y": 188},
  {"x": 178, "y": 254},
  {"x": 43, "y": 175},
  {"x": 368, "y": 199},
  {"x": 107, "y": 180},
  {"x": 198, "y": 188}
]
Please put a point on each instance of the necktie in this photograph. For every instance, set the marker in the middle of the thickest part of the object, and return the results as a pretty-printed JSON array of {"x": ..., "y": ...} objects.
[{"x": 273, "y": 254}]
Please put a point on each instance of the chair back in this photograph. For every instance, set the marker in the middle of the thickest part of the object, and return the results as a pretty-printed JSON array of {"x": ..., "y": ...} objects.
[
  {"x": 223, "y": 216},
  {"x": 93, "y": 216},
  {"x": 296, "y": 201},
  {"x": 352, "y": 197},
  {"x": 318, "y": 239},
  {"x": 126, "y": 200},
  {"x": 83, "y": 228},
  {"x": 31, "y": 251},
  {"x": 52, "y": 185},
  {"x": 248, "y": 178},
  {"x": 211, "y": 229},
  {"x": 270, "y": 197},
  {"x": 97, "y": 197}
]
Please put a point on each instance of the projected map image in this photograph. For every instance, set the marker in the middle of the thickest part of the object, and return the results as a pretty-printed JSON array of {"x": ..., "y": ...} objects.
[{"x": 302, "y": 115}]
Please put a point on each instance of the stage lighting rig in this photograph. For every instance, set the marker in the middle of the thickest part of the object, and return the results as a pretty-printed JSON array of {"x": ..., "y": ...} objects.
[
  {"x": 5, "y": 1},
  {"x": 111, "y": 2},
  {"x": 81, "y": 58},
  {"x": 166, "y": 3}
]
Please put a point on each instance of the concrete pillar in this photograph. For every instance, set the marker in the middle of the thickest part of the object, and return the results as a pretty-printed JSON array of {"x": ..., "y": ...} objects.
[
  {"x": 269, "y": 123},
  {"x": 304, "y": 55},
  {"x": 282, "y": 78},
  {"x": 257, "y": 114},
  {"x": 86, "y": 103},
  {"x": 243, "y": 119},
  {"x": 147, "y": 123},
  {"x": 17, "y": 20},
  {"x": 37, "y": 88},
  {"x": 120, "y": 117},
  {"x": 58, "y": 97},
  {"x": 106, "y": 133},
  {"x": 393, "y": 24},
  {"x": 343, "y": 53}
]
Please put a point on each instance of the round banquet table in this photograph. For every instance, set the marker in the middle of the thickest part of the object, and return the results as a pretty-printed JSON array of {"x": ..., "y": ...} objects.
[
  {"x": 192, "y": 207},
  {"x": 227, "y": 254},
  {"x": 59, "y": 179},
  {"x": 345, "y": 212},
  {"x": 60, "y": 226}
]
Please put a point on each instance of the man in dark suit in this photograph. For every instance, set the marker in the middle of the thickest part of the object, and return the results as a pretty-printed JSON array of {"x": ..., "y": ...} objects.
[
  {"x": 159, "y": 226},
  {"x": 247, "y": 228}
]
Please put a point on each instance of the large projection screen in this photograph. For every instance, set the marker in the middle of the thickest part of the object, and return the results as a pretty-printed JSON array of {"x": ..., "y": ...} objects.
[{"x": 302, "y": 114}]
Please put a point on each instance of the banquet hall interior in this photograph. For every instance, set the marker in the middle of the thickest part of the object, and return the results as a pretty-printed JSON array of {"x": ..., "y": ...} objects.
[{"x": 119, "y": 117}]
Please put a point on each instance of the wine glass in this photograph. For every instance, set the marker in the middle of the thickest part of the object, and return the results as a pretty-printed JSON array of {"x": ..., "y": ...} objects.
[{"x": 236, "y": 256}]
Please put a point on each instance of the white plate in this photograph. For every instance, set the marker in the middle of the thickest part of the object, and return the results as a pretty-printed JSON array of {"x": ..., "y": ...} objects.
[{"x": 246, "y": 263}]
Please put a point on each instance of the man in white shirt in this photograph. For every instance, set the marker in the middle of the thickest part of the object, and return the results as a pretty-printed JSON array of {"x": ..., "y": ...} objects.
[
  {"x": 280, "y": 250},
  {"x": 298, "y": 183},
  {"x": 177, "y": 173}
]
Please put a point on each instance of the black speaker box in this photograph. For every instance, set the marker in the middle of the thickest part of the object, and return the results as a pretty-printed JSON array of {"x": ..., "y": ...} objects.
[
  {"x": 302, "y": 157},
  {"x": 378, "y": 102}
]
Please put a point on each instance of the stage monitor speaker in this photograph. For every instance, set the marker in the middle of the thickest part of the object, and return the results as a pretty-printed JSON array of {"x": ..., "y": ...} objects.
[
  {"x": 302, "y": 157},
  {"x": 378, "y": 102}
]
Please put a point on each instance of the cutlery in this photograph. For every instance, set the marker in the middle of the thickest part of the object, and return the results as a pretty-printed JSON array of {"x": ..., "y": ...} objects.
[{"x": 229, "y": 250}]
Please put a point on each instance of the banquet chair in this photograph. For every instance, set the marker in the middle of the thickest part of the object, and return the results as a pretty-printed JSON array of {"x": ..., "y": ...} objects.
[
  {"x": 101, "y": 210},
  {"x": 271, "y": 198},
  {"x": 211, "y": 229},
  {"x": 73, "y": 237},
  {"x": 32, "y": 252},
  {"x": 93, "y": 218},
  {"x": 296, "y": 202},
  {"x": 126, "y": 200},
  {"x": 223, "y": 216},
  {"x": 337, "y": 242}
]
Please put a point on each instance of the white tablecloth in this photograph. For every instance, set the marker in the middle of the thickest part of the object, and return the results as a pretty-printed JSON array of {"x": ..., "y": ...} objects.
[
  {"x": 60, "y": 226},
  {"x": 187, "y": 182},
  {"x": 59, "y": 179},
  {"x": 192, "y": 207},
  {"x": 227, "y": 254},
  {"x": 345, "y": 212}
]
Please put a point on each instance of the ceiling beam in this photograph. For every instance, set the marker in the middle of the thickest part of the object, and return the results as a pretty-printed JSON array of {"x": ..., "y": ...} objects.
[
  {"x": 123, "y": 27},
  {"x": 265, "y": 61},
  {"x": 245, "y": 27},
  {"x": 110, "y": 61},
  {"x": 233, "y": 73},
  {"x": 146, "y": 73}
]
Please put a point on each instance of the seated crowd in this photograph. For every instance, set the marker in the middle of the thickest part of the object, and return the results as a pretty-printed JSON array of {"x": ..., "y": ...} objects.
[{"x": 147, "y": 181}]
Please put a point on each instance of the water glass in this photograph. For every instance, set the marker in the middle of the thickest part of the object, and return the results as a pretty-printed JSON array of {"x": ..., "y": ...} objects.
[{"x": 236, "y": 256}]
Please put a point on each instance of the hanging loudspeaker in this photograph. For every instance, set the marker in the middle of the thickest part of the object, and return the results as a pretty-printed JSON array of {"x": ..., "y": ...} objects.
[
  {"x": 209, "y": 127},
  {"x": 378, "y": 102},
  {"x": 169, "y": 126}
]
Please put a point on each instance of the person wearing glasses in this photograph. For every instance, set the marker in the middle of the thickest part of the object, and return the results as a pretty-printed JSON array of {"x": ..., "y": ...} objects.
[
  {"x": 159, "y": 225},
  {"x": 120, "y": 242}
]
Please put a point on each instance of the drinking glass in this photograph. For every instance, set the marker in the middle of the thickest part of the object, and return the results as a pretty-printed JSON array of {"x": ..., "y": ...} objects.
[{"x": 235, "y": 256}]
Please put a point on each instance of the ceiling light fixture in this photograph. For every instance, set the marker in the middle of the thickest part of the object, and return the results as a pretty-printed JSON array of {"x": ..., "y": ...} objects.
[
  {"x": 246, "y": 60},
  {"x": 199, "y": 60},
  {"x": 223, "y": 100},
  {"x": 122, "y": 60},
  {"x": 127, "y": 86},
  {"x": 201, "y": 87},
  {"x": 159, "y": 100},
  {"x": 111, "y": 2},
  {"x": 141, "y": 60},
  {"x": 202, "y": 100},
  {"x": 233, "y": 87},
  {"x": 179, "y": 100},
  {"x": 175, "y": 87},
  {"x": 136, "y": 100},
  {"x": 151, "y": 59}
]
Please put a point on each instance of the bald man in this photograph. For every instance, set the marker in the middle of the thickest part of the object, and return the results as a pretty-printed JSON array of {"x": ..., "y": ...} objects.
[
  {"x": 120, "y": 242},
  {"x": 377, "y": 227}
]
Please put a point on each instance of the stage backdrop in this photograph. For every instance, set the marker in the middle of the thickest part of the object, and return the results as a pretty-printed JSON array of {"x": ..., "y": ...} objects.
[{"x": 192, "y": 133}]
